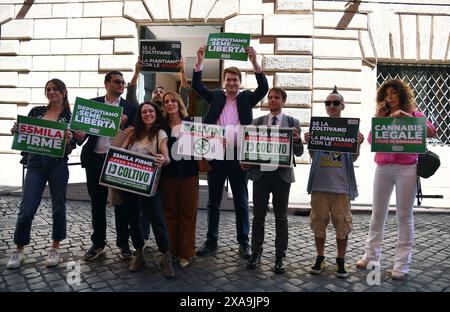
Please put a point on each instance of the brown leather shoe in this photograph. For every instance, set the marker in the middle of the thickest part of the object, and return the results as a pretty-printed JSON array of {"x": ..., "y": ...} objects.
[
  {"x": 138, "y": 261},
  {"x": 167, "y": 265},
  {"x": 398, "y": 276}
]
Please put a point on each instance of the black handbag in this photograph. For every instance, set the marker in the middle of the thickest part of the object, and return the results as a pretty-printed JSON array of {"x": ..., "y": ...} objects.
[{"x": 428, "y": 164}]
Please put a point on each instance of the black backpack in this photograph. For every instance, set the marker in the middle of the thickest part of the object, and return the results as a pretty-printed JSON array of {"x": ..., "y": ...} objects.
[{"x": 428, "y": 164}]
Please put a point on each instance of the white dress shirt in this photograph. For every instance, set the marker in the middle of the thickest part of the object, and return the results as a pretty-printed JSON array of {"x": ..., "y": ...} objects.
[
  {"x": 279, "y": 119},
  {"x": 103, "y": 143}
]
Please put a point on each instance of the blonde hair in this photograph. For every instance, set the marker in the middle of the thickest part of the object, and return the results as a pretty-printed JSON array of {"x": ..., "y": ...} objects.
[{"x": 181, "y": 107}]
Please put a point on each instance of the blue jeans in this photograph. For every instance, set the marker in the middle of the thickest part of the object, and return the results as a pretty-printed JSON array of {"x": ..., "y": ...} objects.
[
  {"x": 43, "y": 169},
  {"x": 220, "y": 170}
]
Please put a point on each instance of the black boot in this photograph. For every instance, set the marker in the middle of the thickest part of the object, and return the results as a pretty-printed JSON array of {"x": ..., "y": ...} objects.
[
  {"x": 207, "y": 250},
  {"x": 254, "y": 261},
  {"x": 280, "y": 266}
]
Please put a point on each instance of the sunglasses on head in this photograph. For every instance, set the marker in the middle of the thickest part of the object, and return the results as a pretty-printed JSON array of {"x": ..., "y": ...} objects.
[
  {"x": 118, "y": 81},
  {"x": 335, "y": 103}
]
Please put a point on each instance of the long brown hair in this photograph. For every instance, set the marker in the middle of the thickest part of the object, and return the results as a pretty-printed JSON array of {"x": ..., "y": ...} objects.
[
  {"x": 405, "y": 95},
  {"x": 140, "y": 131},
  {"x": 61, "y": 86},
  {"x": 181, "y": 107}
]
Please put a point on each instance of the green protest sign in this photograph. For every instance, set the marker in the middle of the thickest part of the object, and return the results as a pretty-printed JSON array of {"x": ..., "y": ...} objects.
[
  {"x": 96, "y": 118},
  {"x": 160, "y": 56},
  {"x": 201, "y": 140},
  {"x": 334, "y": 134},
  {"x": 270, "y": 146},
  {"x": 227, "y": 46},
  {"x": 399, "y": 135},
  {"x": 40, "y": 136},
  {"x": 130, "y": 171}
]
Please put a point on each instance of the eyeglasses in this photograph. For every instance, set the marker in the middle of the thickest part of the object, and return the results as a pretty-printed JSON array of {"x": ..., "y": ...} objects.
[
  {"x": 335, "y": 103},
  {"x": 118, "y": 81}
]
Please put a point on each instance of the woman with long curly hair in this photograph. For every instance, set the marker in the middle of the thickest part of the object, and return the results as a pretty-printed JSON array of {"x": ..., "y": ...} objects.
[
  {"x": 148, "y": 138},
  {"x": 394, "y": 99}
]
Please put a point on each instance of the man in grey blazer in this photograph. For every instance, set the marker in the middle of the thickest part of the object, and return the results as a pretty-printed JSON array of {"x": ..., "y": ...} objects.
[{"x": 276, "y": 181}]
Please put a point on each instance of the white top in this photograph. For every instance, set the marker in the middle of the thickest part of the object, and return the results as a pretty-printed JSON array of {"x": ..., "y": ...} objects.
[
  {"x": 149, "y": 147},
  {"x": 103, "y": 143},
  {"x": 279, "y": 119}
]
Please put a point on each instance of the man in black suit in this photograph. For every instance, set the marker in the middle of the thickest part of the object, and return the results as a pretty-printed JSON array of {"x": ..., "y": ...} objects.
[
  {"x": 92, "y": 158},
  {"x": 230, "y": 108}
]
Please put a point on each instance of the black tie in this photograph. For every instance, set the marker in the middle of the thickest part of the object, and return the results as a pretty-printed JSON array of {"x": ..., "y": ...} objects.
[{"x": 274, "y": 120}]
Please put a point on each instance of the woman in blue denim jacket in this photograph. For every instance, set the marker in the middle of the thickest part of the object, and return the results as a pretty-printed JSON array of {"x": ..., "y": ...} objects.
[{"x": 40, "y": 170}]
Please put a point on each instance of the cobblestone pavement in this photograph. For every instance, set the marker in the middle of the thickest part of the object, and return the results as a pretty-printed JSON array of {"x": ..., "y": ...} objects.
[{"x": 224, "y": 272}]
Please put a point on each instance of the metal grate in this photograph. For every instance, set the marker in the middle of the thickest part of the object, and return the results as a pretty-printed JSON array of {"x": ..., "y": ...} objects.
[{"x": 431, "y": 87}]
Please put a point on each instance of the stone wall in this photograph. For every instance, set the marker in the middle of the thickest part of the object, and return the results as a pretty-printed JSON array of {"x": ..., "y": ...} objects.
[
  {"x": 353, "y": 34},
  {"x": 351, "y": 37},
  {"x": 304, "y": 46}
]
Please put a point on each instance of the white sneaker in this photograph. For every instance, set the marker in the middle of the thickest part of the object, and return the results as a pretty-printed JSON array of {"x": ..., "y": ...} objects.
[
  {"x": 53, "y": 258},
  {"x": 15, "y": 260},
  {"x": 146, "y": 243}
]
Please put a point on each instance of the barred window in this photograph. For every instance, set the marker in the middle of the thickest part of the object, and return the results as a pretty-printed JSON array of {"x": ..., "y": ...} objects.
[{"x": 431, "y": 87}]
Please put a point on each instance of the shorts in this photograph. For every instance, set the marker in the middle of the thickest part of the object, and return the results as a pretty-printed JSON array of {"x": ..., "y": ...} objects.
[{"x": 337, "y": 206}]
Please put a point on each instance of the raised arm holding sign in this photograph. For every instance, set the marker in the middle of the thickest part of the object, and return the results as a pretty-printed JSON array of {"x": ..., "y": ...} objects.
[
  {"x": 230, "y": 108},
  {"x": 229, "y": 46},
  {"x": 160, "y": 56}
]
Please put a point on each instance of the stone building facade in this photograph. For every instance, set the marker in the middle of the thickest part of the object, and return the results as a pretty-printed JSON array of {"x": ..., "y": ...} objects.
[{"x": 304, "y": 46}]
